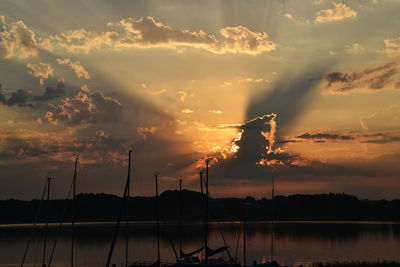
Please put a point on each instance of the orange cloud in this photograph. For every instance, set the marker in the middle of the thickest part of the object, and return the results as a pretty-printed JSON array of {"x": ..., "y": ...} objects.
[
  {"x": 16, "y": 40},
  {"x": 339, "y": 12},
  {"x": 41, "y": 70},
  {"x": 147, "y": 32}
]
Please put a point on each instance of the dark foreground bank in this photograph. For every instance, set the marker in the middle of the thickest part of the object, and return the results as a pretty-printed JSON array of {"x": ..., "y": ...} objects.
[{"x": 359, "y": 264}]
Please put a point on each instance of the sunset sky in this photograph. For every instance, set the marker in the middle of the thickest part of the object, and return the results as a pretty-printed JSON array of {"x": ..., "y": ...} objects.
[{"x": 307, "y": 91}]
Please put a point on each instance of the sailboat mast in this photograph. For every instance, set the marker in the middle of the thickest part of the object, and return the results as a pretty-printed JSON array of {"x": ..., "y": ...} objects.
[
  {"x": 272, "y": 219},
  {"x": 180, "y": 220},
  {"x": 201, "y": 182},
  {"x": 244, "y": 233},
  {"x": 45, "y": 226},
  {"x": 73, "y": 213},
  {"x": 206, "y": 217},
  {"x": 158, "y": 221},
  {"x": 126, "y": 211}
]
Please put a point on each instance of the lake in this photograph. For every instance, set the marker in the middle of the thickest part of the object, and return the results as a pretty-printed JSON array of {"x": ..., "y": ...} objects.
[{"x": 295, "y": 242}]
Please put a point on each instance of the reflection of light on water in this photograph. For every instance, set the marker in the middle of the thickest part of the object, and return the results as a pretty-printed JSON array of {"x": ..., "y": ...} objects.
[
  {"x": 297, "y": 243},
  {"x": 303, "y": 264}
]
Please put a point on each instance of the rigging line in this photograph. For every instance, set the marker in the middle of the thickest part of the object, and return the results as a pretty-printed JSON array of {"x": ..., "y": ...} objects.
[
  {"x": 82, "y": 181},
  {"x": 60, "y": 225},
  {"x": 219, "y": 223},
  {"x": 123, "y": 204},
  {"x": 238, "y": 240},
  {"x": 34, "y": 226},
  {"x": 166, "y": 233},
  {"x": 222, "y": 234}
]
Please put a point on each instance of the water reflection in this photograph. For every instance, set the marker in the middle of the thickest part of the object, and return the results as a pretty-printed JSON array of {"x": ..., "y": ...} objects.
[{"x": 295, "y": 242}]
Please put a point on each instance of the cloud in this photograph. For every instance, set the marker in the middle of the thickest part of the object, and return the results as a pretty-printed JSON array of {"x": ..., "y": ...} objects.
[
  {"x": 20, "y": 98},
  {"x": 254, "y": 157},
  {"x": 317, "y": 137},
  {"x": 159, "y": 92},
  {"x": 371, "y": 78},
  {"x": 51, "y": 92},
  {"x": 392, "y": 46},
  {"x": 354, "y": 48},
  {"x": 147, "y": 32},
  {"x": 76, "y": 66},
  {"x": 86, "y": 108},
  {"x": 187, "y": 111},
  {"x": 240, "y": 39},
  {"x": 29, "y": 145},
  {"x": 381, "y": 138},
  {"x": 322, "y": 136},
  {"x": 150, "y": 32},
  {"x": 24, "y": 98},
  {"x": 339, "y": 12},
  {"x": 249, "y": 80},
  {"x": 2, "y": 96},
  {"x": 41, "y": 70},
  {"x": 183, "y": 96},
  {"x": 16, "y": 40},
  {"x": 288, "y": 15},
  {"x": 253, "y": 153}
]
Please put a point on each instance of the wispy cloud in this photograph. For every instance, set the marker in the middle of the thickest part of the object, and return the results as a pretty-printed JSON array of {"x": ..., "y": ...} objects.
[
  {"x": 159, "y": 92},
  {"x": 324, "y": 137}
]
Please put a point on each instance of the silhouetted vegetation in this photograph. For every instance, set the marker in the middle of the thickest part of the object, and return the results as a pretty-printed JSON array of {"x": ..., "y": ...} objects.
[
  {"x": 105, "y": 207},
  {"x": 359, "y": 264}
]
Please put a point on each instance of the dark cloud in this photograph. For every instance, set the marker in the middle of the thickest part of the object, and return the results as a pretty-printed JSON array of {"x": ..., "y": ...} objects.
[
  {"x": 254, "y": 152},
  {"x": 24, "y": 98},
  {"x": 370, "y": 78},
  {"x": 373, "y": 138},
  {"x": 380, "y": 138},
  {"x": 2, "y": 97},
  {"x": 319, "y": 136},
  {"x": 20, "y": 98},
  {"x": 51, "y": 93}
]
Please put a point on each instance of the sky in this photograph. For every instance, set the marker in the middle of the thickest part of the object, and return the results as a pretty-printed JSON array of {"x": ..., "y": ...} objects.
[{"x": 306, "y": 91}]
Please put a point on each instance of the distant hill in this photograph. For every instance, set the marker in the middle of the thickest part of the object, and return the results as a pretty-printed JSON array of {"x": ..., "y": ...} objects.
[{"x": 105, "y": 207}]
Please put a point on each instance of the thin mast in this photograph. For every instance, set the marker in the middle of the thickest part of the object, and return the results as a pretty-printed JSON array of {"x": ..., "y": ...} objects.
[
  {"x": 244, "y": 233},
  {"x": 126, "y": 209},
  {"x": 45, "y": 226},
  {"x": 201, "y": 182},
  {"x": 73, "y": 213},
  {"x": 202, "y": 208},
  {"x": 272, "y": 219},
  {"x": 180, "y": 220},
  {"x": 206, "y": 217},
  {"x": 158, "y": 221}
]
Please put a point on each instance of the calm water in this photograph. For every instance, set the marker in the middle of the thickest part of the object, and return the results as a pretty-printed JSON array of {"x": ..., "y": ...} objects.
[{"x": 295, "y": 242}]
